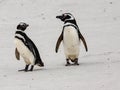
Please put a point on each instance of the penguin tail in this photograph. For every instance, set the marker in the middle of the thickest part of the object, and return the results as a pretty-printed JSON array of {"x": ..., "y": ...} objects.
[{"x": 40, "y": 63}]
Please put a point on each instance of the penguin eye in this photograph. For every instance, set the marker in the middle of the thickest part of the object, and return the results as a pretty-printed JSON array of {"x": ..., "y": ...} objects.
[
  {"x": 24, "y": 24},
  {"x": 64, "y": 15}
]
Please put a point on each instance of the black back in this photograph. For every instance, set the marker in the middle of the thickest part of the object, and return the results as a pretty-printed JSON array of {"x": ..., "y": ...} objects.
[{"x": 30, "y": 45}]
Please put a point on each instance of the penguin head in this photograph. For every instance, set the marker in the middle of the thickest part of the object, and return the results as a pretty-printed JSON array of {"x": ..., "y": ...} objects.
[
  {"x": 22, "y": 26},
  {"x": 66, "y": 17}
]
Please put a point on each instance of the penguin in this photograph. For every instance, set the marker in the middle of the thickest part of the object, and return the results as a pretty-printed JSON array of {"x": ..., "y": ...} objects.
[
  {"x": 26, "y": 48},
  {"x": 71, "y": 37}
]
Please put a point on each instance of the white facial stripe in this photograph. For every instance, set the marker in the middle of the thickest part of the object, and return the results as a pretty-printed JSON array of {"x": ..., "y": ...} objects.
[
  {"x": 22, "y": 23},
  {"x": 71, "y": 17}
]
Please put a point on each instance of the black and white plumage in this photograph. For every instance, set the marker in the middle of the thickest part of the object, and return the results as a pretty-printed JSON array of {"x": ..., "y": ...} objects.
[
  {"x": 26, "y": 48},
  {"x": 71, "y": 37}
]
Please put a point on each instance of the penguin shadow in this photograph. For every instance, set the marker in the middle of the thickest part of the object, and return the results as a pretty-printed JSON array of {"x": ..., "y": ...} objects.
[
  {"x": 72, "y": 65},
  {"x": 39, "y": 69},
  {"x": 81, "y": 64},
  {"x": 35, "y": 70}
]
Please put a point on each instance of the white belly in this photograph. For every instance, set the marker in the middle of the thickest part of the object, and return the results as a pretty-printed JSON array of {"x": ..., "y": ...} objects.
[
  {"x": 24, "y": 51},
  {"x": 71, "y": 42}
]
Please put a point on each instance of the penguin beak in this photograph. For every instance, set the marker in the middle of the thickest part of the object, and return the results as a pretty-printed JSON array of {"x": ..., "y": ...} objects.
[
  {"x": 59, "y": 17},
  {"x": 27, "y": 25}
]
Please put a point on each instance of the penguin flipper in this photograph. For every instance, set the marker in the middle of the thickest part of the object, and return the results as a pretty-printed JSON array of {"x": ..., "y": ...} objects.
[
  {"x": 17, "y": 54},
  {"x": 83, "y": 40},
  {"x": 58, "y": 42}
]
